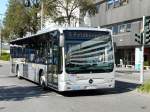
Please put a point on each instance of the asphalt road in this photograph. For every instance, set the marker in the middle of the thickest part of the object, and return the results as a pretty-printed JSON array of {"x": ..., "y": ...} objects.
[{"x": 24, "y": 96}]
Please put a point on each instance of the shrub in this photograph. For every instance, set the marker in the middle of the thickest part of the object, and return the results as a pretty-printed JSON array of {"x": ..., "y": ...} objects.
[
  {"x": 145, "y": 87},
  {"x": 5, "y": 56},
  {"x": 146, "y": 63}
]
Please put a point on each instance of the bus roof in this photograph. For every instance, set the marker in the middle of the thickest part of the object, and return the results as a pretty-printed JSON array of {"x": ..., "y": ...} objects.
[{"x": 61, "y": 29}]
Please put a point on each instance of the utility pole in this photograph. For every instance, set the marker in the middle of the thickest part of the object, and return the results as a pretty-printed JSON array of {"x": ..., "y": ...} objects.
[
  {"x": 142, "y": 54},
  {"x": 143, "y": 38}
]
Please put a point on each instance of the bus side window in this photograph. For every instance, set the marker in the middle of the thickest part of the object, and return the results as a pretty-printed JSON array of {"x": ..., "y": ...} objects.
[{"x": 49, "y": 56}]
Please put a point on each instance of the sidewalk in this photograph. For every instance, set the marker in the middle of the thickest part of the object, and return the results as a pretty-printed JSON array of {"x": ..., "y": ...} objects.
[
  {"x": 1, "y": 61},
  {"x": 123, "y": 69},
  {"x": 131, "y": 75}
]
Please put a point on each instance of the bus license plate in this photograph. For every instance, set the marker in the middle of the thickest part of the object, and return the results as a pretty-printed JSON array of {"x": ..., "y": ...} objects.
[{"x": 91, "y": 87}]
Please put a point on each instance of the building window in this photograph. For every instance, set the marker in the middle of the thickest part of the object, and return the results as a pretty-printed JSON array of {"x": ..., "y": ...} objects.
[
  {"x": 128, "y": 27},
  {"x": 123, "y": 2},
  {"x": 110, "y": 4},
  {"x": 115, "y": 29},
  {"x": 115, "y": 3},
  {"x": 122, "y": 28},
  {"x": 97, "y": 8}
]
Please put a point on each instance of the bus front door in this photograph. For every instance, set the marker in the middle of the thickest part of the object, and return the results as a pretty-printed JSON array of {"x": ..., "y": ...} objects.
[{"x": 53, "y": 68}]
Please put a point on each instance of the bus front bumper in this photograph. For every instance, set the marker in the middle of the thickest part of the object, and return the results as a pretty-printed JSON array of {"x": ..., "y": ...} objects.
[{"x": 64, "y": 86}]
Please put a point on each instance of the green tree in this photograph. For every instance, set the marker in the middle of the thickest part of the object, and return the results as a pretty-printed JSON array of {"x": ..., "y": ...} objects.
[
  {"x": 65, "y": 10},
  {"x": 16, "y": 19},
  {"x": 19, "y": 20},
  {"x": 48, "y": 9},
  {"x": 33, "y": 20}
]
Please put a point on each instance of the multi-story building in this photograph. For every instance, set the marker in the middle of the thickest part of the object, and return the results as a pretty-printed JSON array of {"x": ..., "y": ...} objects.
[{"x": 124, "y": 17}]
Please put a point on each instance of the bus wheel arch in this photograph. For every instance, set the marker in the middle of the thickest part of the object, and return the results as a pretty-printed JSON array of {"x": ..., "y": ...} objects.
[{"x": 42, "y": 80}]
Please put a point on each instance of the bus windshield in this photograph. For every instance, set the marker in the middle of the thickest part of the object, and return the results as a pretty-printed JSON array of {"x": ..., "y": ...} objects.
[{"x": 88, "y": 52}]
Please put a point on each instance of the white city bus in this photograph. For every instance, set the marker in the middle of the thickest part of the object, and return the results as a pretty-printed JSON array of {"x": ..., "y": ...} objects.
[{"x": 66, "y": 59}]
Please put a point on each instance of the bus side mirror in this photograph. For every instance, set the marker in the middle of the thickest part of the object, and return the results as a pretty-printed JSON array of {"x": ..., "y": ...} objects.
[{"x": 61, "y": 41}]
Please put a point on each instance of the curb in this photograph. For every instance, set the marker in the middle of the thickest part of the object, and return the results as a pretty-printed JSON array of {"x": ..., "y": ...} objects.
[
  {"x": 1, "y": 61},
  {"x": 127, "y": 80}
]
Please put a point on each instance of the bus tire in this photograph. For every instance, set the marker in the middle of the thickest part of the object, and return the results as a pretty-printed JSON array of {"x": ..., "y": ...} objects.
[{"x": 42, "y": 81}]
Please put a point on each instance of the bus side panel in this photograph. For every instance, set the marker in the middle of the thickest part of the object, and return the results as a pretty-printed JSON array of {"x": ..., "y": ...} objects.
[
  {"x": 21, "y": 69},
  {"x": 31, "y": 72},
  {"x": 13, "y": 68}
]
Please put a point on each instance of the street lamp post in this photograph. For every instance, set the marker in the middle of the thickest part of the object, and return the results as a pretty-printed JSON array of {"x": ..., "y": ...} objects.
[
  {"x": 42, "y": 7},
  {"x": 1, "y": 34}
]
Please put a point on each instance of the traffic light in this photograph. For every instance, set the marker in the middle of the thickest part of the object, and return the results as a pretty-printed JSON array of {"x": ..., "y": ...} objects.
[
  {"x": 27, "y": 3},
  {"x": 139, "y": 38},
  {"x": 147, "y": 30},
  {"x": 30, "y": 3}
]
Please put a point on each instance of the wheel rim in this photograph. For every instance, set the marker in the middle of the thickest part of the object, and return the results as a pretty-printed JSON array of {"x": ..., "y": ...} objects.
[
  {"x": 18, "y": 73},
  {"x": 42, "y": 81}
]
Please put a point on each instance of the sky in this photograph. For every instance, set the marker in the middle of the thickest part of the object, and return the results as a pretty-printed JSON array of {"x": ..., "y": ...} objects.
[{"x": 3, "y": 6}]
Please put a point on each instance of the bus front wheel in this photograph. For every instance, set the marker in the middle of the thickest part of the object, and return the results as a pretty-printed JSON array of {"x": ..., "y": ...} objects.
[
  {"x": 42, "y": 81},
  {"x": 18, "y": 74}
]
